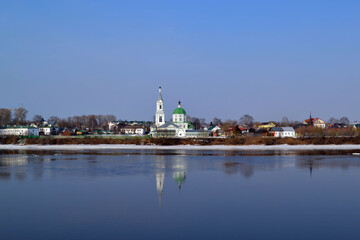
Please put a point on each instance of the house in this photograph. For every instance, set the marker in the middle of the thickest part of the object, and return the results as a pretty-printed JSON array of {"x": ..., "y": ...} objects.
[
  {"x": 316, "y": 122},
  {"x": 282, "y": 132},
  {"x": 215, "y": 131},
  {"x": 132, "y": 130},
  {"x": 80, "y": 132},
  {"x": 242, "y": 129},
  {"x": 49, "y": 128},
  {"x": 356, "y": 126},
  {"x": 19, "y": 131},
  {"x": 338, "y": 125},
  {"x": 197, "y": 134},
  {"x": 266, "y": 125},
  {"x": 67, "y": 132},
  {"x": 115, "y": 125}
]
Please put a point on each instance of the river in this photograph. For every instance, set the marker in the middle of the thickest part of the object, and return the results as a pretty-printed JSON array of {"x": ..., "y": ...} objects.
[{"x": 179, "y": 194}]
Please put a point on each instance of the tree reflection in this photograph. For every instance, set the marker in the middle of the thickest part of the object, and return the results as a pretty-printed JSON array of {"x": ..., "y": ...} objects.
[{"x": 246, "y": 170}]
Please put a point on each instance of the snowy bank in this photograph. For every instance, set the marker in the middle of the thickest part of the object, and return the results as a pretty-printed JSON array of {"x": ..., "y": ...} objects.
[{"x": 182, "y": 147}]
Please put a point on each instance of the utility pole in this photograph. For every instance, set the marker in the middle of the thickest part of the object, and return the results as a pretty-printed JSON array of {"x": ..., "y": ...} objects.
[{"x": 21, "y": 113}]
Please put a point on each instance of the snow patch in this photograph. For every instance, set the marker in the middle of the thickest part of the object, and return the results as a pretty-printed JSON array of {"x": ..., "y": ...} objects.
[{"x": 284, "y": 147}]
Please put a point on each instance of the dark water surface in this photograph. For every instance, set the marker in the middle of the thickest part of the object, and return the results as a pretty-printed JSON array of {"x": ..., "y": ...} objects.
[{"x": 148, "y": 194}]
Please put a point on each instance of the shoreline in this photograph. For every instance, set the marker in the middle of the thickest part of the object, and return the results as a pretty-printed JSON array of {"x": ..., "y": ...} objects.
[{"x": 281, "y": 147}]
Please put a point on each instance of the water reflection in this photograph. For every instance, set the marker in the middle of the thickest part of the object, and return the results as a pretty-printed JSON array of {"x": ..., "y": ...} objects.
[
  {"x": 177, "y": 165},
  {"x": 160, "y": 176},
  {"x": 105, "y": 194},
  {"x": 19, "y": 164},
  {"x": 318, "y": 162}
]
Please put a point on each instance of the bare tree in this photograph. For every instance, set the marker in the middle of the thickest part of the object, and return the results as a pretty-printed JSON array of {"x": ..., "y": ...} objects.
[
  {"x": 333, "y": 120},
  {"x": 285, "y": 122},
  {"x": 110, "y": 118},
  {"x": 216, "y": 121},
  {"x": 38, "y": 119},
  {"x": 229, "y": 127},
  {"x": 196, "y": 122},
  {"x": 5, "y": 116},
  {"x": 20, "y": 116},
  {"x": 247, "y": 120},
  {"x": 345, "y": 120},
  {"x": 53, "y": 119},
  {"x": 92, "y": 122}
]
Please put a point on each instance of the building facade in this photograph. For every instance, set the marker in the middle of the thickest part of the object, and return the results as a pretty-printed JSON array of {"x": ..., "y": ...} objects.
[
  {"x": 177, "y": 127},
  {"x": 19, "y": 131},
  {"x": 160, "y": 114},
  {"x": 282, "y": 132}
]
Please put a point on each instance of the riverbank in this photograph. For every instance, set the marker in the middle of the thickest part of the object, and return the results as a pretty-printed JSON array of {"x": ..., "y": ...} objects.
[
  {"x": 283, "y": 147},
  {"x": 238, "y": 141}
]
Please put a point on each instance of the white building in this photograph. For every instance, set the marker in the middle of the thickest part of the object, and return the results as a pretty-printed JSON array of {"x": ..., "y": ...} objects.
[
  {"x": 316, "y": 122},
  {"x": 282, "y": 132},
  {"x": 132, "y": 130},
  {"x": 45, "y": 130},
  {"x": 177, "y": 127},
  {"x": 160, "y": 114},
  {"x": 19, "y": 131},
  {"x": 48, "y": 128}
]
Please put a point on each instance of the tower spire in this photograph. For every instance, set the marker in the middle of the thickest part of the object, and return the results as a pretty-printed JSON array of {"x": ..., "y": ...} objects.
[
  {"x": 179, "y": 103},
  {"x": 160, "y": 96},
  {"x": 310, "y": 120},
  {"x": 159, "y": 114}
]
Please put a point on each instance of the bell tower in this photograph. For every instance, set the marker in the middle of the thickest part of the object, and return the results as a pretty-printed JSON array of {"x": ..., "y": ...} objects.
[{"x": 160, "y": 114}]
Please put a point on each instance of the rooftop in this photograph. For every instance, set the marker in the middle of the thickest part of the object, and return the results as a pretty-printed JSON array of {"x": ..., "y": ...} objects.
[{"x": 179, "y": 110}]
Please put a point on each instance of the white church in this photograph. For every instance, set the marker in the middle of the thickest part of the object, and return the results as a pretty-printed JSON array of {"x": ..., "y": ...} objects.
[{"x": 177, "y": 127}]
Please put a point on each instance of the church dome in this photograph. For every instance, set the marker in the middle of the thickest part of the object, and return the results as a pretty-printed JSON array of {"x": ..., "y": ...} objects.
[{"x": 179, "y": 110}]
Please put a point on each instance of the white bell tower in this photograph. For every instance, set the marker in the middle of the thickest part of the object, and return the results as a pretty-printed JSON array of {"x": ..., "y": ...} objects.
[{"x": 160, "y": 114}]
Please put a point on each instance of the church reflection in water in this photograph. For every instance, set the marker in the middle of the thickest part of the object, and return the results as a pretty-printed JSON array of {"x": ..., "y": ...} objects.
[{"x": 177, "y": 167}]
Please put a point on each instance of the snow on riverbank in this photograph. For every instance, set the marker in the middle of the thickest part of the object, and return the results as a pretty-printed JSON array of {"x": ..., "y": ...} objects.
[{"x": 181, "y": 147}]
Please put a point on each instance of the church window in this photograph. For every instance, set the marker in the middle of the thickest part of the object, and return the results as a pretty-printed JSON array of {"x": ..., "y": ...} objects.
[
  {"x": 160, "y": 106},
  {"x": 160, "y": 119}
]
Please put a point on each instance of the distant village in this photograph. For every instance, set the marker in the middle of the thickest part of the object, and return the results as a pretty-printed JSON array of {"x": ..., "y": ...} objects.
[{"x": 13, "y": 123}]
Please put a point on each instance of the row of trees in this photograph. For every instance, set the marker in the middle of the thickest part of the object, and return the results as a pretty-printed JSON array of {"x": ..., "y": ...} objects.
[
  {"x": 13, "y": 116},
  {"x": 343, "y": 120},
  {"x": 249, "y": 121},
  {"x": 83, "y": 122},
  {"x": 18, "y": 117},
  {"x": 246, "y": 120}
]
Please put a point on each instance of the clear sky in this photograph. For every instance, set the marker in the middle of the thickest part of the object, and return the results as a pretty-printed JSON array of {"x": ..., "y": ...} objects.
[{"x": 223, "y": 58}]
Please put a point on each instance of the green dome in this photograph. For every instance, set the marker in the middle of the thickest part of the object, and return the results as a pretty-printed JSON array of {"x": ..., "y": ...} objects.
[{"x": 179, "y": 111}]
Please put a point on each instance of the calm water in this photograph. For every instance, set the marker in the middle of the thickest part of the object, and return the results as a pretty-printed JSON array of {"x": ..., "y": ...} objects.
[{"x": 127, "y": 194}]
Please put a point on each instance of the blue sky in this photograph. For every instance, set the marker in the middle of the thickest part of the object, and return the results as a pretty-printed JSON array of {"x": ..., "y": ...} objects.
[{"x": 223, "y": 58}]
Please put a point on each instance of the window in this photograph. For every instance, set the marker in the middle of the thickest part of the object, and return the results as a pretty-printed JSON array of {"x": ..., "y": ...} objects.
[
  {"x": 160, "y": 119},
  {"x": 160, "y": 106}
]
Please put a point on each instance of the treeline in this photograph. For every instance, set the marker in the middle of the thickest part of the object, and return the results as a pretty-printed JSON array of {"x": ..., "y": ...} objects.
[
  {"x": 13, "y": 116},
  {"x": 81, "y": 122},
  {"x": 18, "y": 117},
  {"x": 316, "y": 132}
]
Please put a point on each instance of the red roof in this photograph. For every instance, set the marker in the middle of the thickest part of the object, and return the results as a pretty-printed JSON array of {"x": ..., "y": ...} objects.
[{"x": 312, "y": 119}]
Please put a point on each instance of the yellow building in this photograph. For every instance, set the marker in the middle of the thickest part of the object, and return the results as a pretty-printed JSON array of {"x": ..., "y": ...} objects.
[{"x": 266, "y": 125}]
